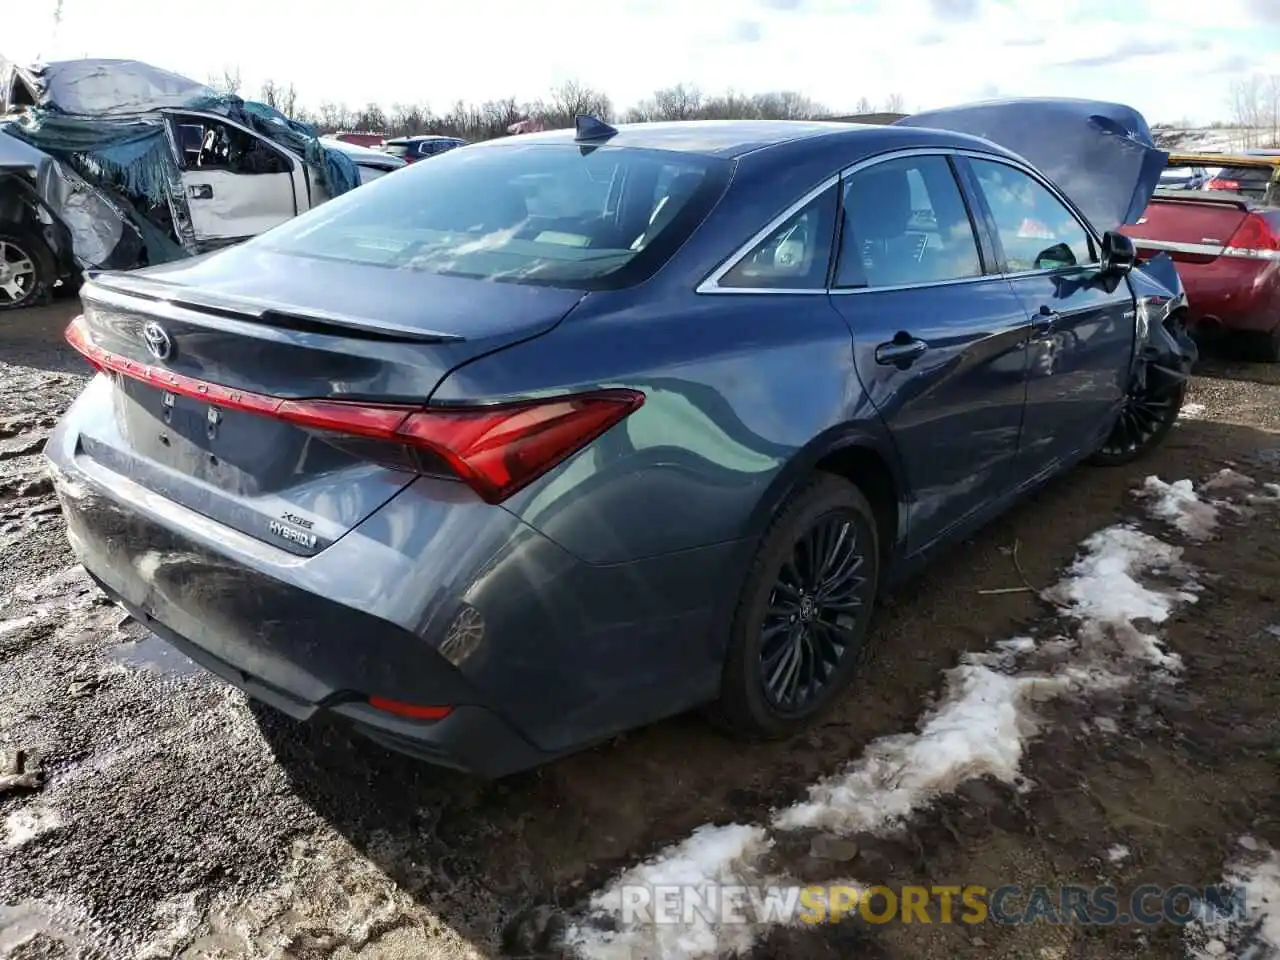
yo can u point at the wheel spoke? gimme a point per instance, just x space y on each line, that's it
814 612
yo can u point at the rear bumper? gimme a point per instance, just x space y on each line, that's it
436 599
472 738
297 651
1232 293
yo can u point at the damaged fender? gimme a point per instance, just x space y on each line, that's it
1164 352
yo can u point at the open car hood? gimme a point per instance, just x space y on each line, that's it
1100 154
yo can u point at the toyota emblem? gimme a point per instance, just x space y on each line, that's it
157 340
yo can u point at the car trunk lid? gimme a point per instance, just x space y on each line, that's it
220 398
1190 228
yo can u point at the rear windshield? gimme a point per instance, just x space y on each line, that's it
397 149
549 214
1248 177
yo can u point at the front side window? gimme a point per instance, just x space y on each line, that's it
1035 229
206 144
551 214
795 256
905 222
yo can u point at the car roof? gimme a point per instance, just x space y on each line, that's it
720 138
1223 160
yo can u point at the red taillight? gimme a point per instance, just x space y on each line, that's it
495 449
1255 237
1217 183
78 337
498 450
410 711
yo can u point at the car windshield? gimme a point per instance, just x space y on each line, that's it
551 214
397 149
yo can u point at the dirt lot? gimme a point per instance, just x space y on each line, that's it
175 819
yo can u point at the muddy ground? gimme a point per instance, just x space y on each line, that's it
176 819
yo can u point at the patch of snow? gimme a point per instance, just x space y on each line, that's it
1178 504
1118 853
1271 493
1106 724
1227 479
1251 934
1191 411
979 727
24 825
711 855
978 730
63 921
16 623
1102 592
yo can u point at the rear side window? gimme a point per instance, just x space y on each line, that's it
1246 176
905 222
795 256
550 214
1036 230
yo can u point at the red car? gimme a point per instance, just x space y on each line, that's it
1226 245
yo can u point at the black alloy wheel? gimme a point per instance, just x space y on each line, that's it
810 623
800 629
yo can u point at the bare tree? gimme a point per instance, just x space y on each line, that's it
1247 107
1272 98
493 118
280 97
370 119
864 106
333 117
681 102
573 99
896 103
227 83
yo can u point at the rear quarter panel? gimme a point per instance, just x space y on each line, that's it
735 388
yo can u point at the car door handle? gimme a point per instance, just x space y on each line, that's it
200 191
1046 319
903 350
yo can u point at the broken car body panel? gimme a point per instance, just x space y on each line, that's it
1100 154
96 88
114 131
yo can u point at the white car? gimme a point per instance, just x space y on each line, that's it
372 163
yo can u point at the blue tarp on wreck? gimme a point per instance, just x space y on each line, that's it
103 119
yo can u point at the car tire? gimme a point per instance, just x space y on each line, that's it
21 245
1143 424
1265 347
821 641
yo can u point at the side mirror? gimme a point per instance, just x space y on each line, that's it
1118 254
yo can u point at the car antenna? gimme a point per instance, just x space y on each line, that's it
592 128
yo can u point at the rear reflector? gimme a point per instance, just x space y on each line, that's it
1218 184
495 449
410 711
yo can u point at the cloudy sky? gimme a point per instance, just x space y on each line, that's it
1172 59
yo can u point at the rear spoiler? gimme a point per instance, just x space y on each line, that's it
113 288
1205 196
